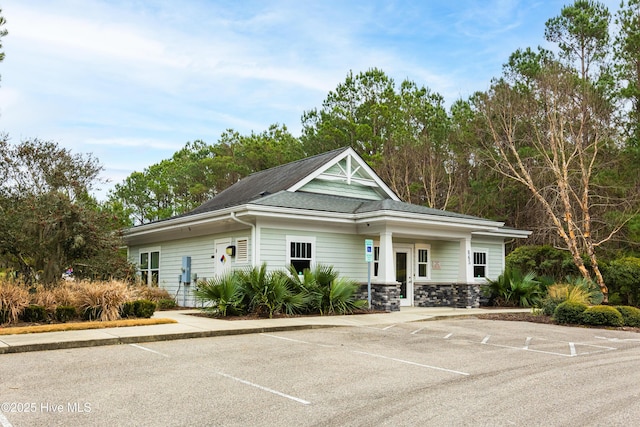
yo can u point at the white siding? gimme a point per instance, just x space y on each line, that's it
445 261
200 249
495 255
338 188
344 252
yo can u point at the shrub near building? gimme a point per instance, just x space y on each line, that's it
602 315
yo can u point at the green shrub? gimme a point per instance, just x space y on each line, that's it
127 310
575 290
569 312
166 303
631 315
34 313
91 313
623 278
542 260
64 313
602 315
143 308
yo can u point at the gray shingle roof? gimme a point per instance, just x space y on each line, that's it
348 205
266 182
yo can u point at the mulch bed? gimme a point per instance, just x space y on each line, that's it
539 318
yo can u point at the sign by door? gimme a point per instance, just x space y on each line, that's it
368 250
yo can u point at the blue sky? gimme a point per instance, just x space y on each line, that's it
132 81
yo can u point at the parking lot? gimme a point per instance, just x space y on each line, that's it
445 372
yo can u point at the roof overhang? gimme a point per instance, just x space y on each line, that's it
227 219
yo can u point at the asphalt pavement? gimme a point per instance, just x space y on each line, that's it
189 325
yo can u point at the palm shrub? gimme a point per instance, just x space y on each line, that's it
315 284
222 295
569 312
602 315
268 293
513 288
631 315
342 297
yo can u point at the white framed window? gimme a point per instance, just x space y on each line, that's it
423 261
150 266
479 264
301 252
242 249
376 260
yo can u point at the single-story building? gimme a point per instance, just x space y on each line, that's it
322 210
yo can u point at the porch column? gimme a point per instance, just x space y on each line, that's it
465 271
387 272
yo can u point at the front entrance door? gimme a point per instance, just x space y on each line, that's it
403 257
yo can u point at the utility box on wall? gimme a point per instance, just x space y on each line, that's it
186 269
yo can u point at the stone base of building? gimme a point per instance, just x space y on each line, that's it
386 297
461 295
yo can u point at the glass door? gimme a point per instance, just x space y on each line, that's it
404 275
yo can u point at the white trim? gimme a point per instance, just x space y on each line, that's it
300 239
475 251
419 247
351 156
149 250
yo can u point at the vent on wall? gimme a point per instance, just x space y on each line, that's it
242 250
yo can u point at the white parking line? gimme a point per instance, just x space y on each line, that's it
416 331
446 337
149 350
408 362
572 349
285 339
4 422
526 343
388 327
296 399
486 339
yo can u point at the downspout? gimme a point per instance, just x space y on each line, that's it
254 249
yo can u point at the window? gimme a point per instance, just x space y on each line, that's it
242 249
479 264
376 260
150 267
300 252
422 262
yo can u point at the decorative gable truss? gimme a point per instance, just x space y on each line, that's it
346 175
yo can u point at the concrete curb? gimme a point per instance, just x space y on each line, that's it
201 328
61 345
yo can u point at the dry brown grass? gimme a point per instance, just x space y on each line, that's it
82 326
151 293
14 297
103 298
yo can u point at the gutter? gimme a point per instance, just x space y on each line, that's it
254 245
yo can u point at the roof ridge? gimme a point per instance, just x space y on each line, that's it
304 159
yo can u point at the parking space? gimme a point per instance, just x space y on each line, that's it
447 372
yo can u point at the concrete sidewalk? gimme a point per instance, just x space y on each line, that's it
190 326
